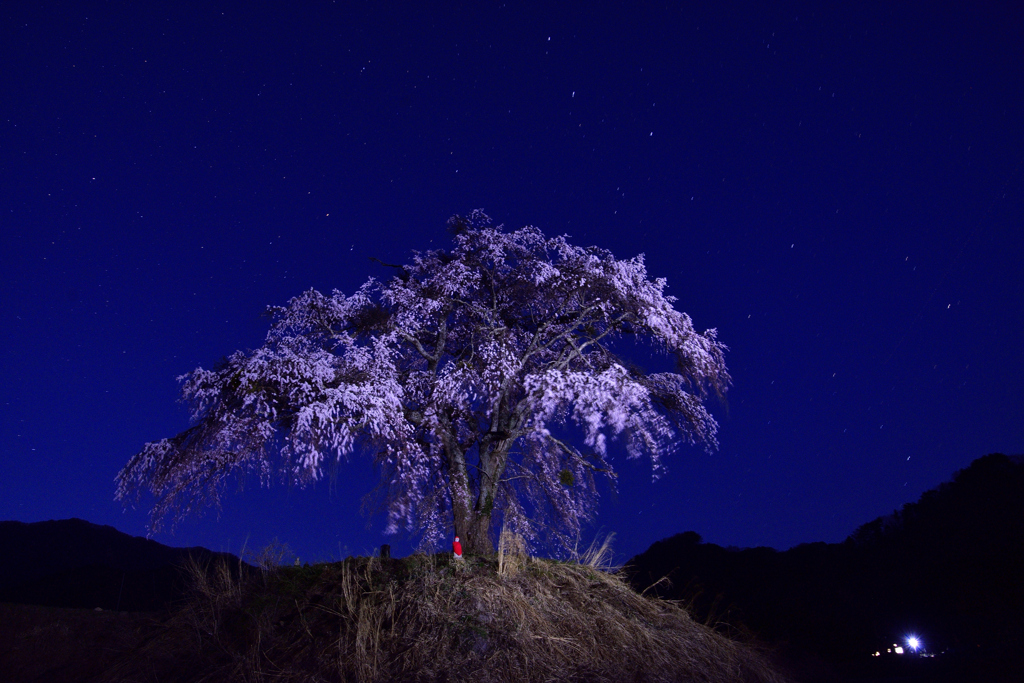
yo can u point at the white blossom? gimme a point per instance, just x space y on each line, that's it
462 376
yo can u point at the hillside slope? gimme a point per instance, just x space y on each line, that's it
73 563
946 567
432 618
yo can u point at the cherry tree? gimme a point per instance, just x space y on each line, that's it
484 381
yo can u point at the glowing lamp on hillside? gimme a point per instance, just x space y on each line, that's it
914 643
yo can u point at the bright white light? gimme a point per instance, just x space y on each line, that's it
914 643
898 650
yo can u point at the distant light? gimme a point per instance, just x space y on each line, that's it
914 643
898 650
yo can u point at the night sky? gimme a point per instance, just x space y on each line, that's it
839 191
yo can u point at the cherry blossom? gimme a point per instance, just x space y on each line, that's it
484 381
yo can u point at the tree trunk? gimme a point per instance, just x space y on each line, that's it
473 519
478 531
479 535
465 519
472 526
473 529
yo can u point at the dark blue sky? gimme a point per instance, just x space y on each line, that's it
839 190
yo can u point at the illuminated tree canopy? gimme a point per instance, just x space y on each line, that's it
484 381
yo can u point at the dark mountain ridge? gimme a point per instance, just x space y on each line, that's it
947 568
73 563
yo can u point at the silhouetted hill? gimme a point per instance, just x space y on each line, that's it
948 567
72 563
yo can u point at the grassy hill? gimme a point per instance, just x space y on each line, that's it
73 563
433 618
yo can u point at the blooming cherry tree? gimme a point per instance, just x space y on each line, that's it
484 381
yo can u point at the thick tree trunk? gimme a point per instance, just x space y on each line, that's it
492 465
473 529
473 523
464 516
480 535
473 518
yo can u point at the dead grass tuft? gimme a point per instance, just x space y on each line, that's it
512 553
598 555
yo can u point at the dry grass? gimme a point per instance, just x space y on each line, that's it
512 554
599 555
427 618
